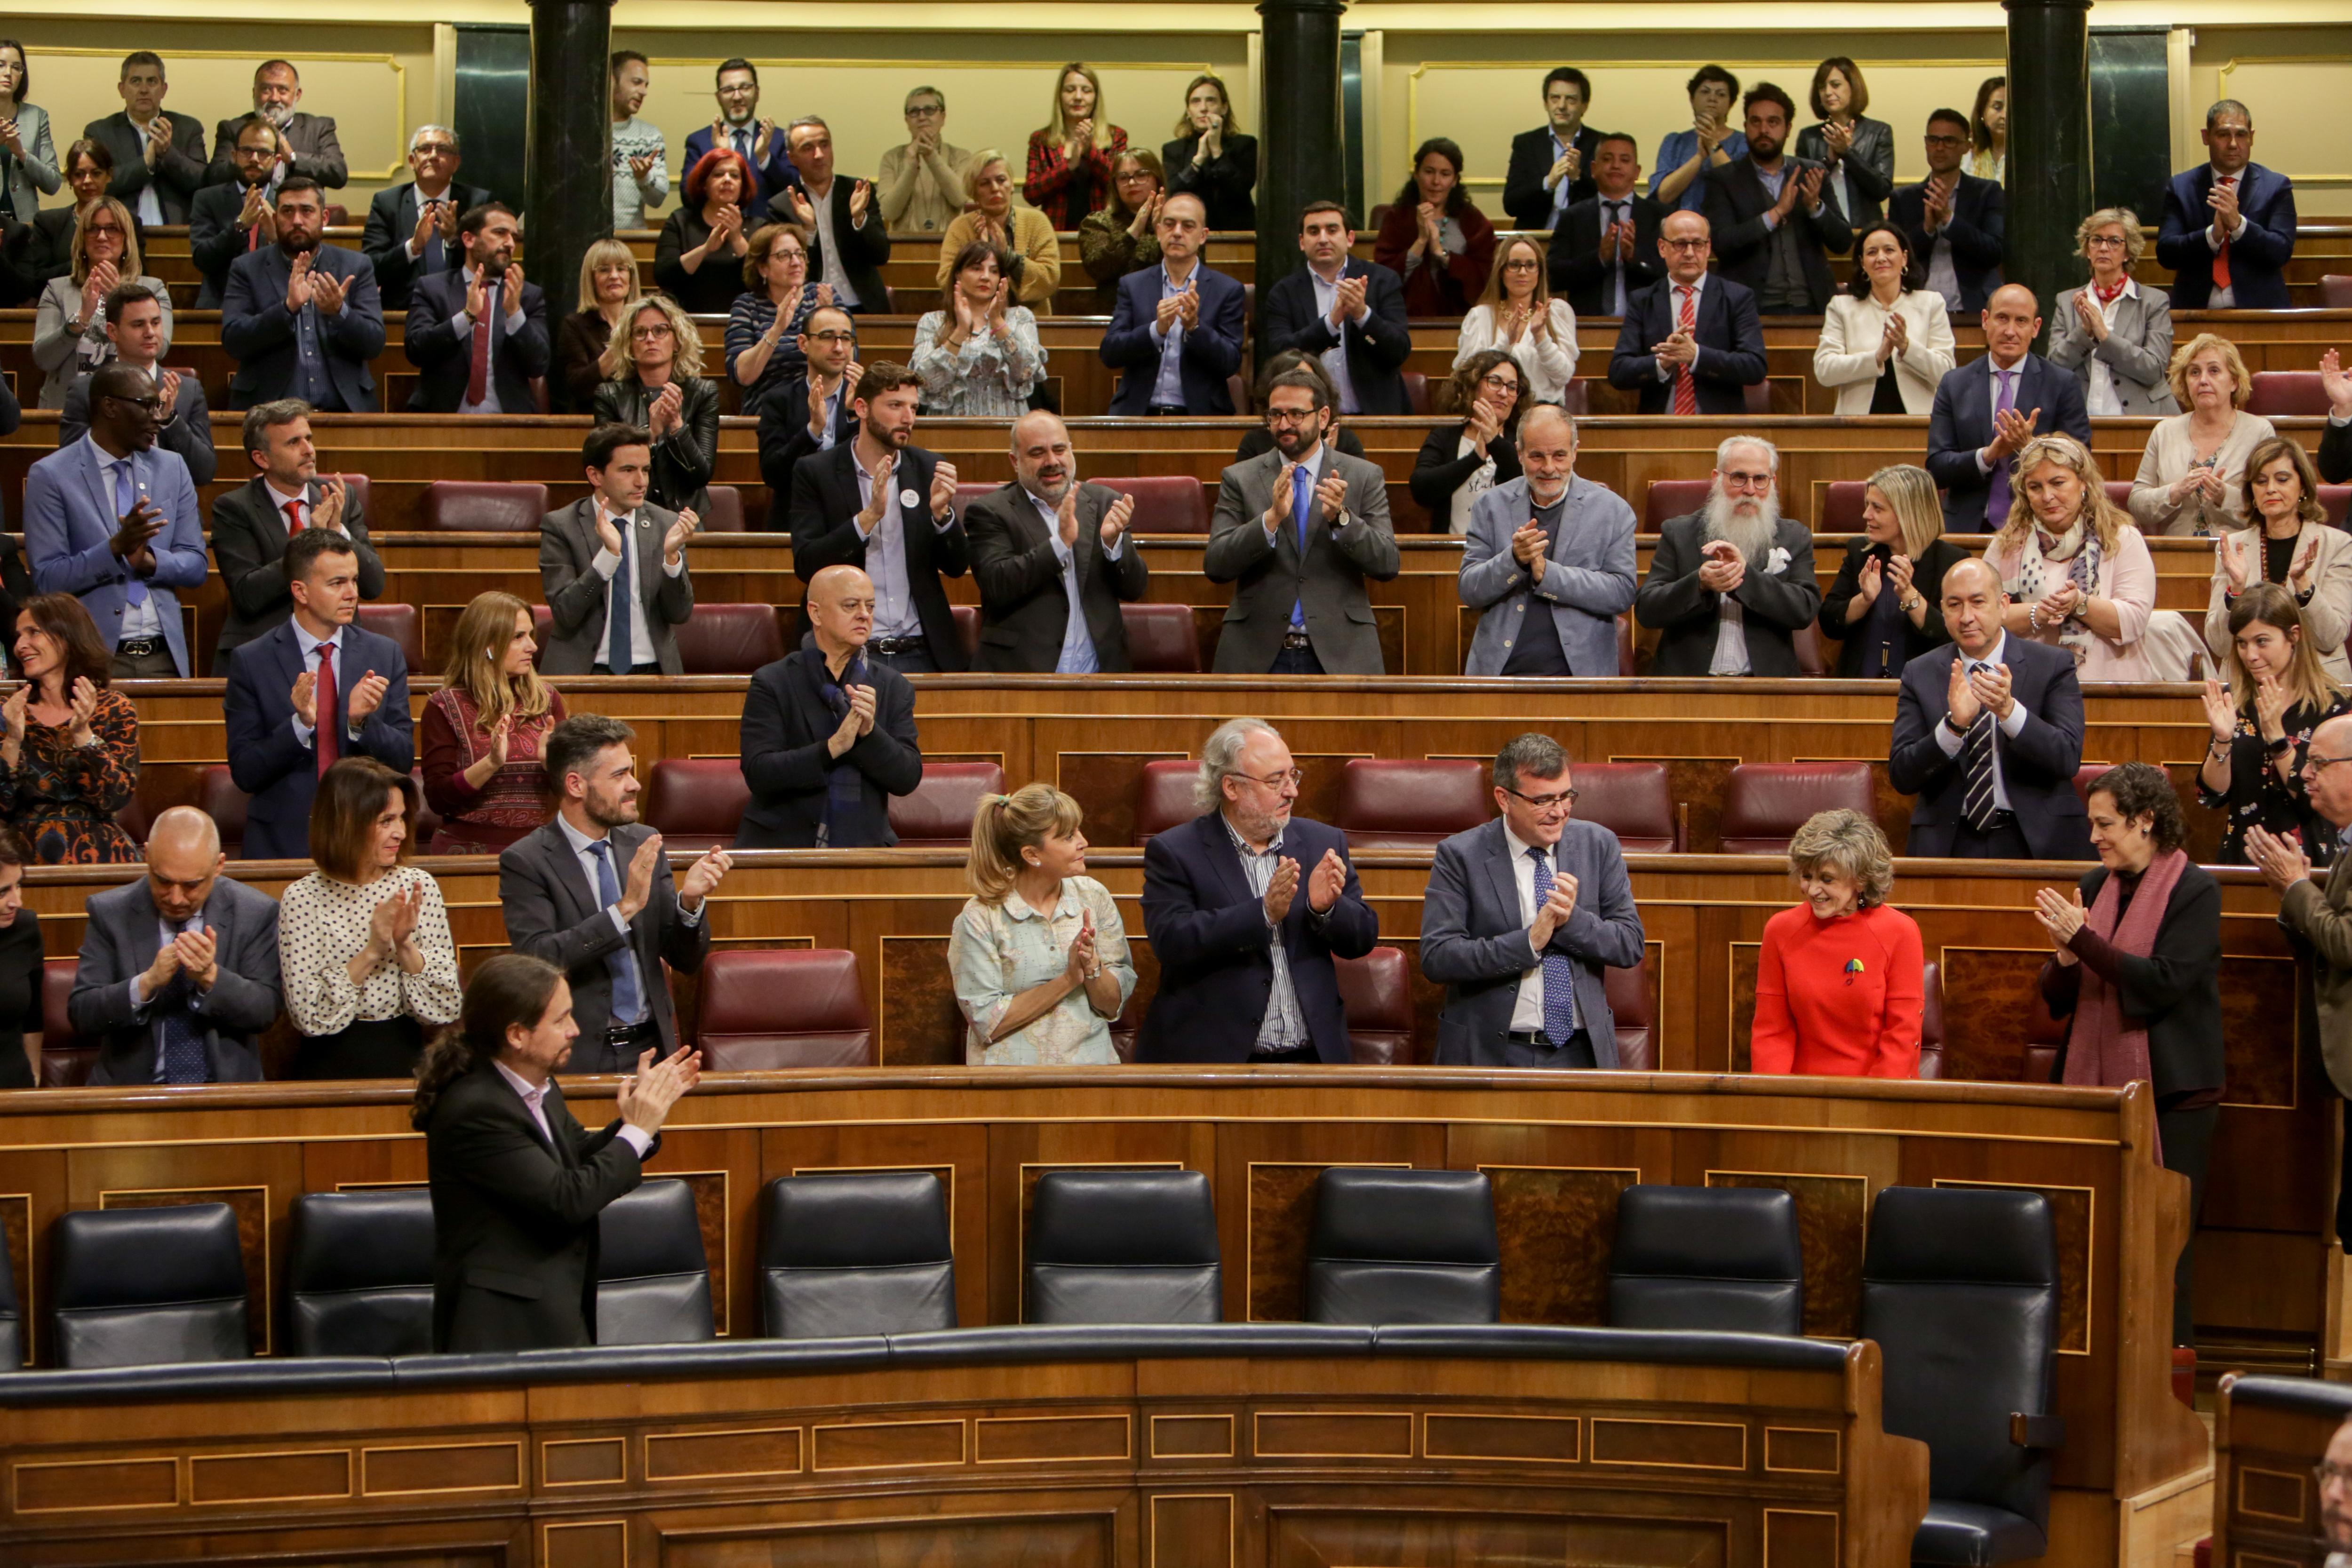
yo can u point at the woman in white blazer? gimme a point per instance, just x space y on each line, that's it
31 156
1520 315
1886 342
2113 334
2291 543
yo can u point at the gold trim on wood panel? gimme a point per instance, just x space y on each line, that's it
2222 84
343 1454
1233 1521
1835 1536
1125 1417
1837 1452
546 1535
645 1453
719 1308
1601 1421
2090 1244
518 1484
621 1443
1258 1448
1202 1416
1574 1424
2239 1503
16 1483
963 1445
1249 1212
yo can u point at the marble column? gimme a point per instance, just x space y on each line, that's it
568 158
1300 158
2049 142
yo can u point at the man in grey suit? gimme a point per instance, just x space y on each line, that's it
309 146
1052 562
1552 543
178 972
591 893
613 567
1522 916
1732 584
159 154
1297 530
134 324
253 524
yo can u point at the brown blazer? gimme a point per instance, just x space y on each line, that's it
2320 917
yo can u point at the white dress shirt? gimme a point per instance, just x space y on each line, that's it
311 645
836 274
1335 359
2101 397
1527 1010
1674 292
1950 744
534 1100
150 209
1078 656
463 328
607 566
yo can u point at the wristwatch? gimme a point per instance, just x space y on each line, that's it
2284 743
1908 605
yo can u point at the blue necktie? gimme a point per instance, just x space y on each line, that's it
1558 974
1302 495
183 1048
629 1001
124 499
617 658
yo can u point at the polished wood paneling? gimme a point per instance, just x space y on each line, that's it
2266 1503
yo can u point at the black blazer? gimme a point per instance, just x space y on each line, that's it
1977 230
685 459
1024 609
392 220
265 759
866 248
1376 350
249 542
1577 269
1927 580
2174 992
1731 347
1734 202
1869 164
256 330
179 172
313 150
216 238
2037 764
1223 184
784 437
443 361
1533 152
1438 472
822 518
709 289
1959 424
2335 454
552 912
786 724
515 1219
1774 606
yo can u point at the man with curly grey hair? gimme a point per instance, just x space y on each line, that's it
1247 905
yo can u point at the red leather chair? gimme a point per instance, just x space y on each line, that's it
2118 496
1416 392
543 628
218 798
1841 506
2045 1037
337 216
1805 641
1237 388
2335 500
1163 797
1672 498
766 1008
1766 803
401 623
356 484
1931 1021
2087 775
967 491
1637 1022
1160 639
728 639
2286 392
66 1057
967 629
2335 291
1411 804
1165 502
1377 991
938 814
1758 398
1573 398
1633 801
135 819
697 802
481 506
723 513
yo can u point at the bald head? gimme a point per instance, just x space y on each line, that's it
2328 780
184 856
840 610
1042 460
1547 452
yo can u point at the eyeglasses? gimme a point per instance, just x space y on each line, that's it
2312 761
659 330
1277 781
794 258
1520 264
1947 141
435 150
832 339
152 404
1560 802
1699 244
2324 1472
2103 241
926 111
1290 415
1501 383
1738 481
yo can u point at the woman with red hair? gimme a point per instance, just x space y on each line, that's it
699 260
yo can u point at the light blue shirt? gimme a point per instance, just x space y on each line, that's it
885 552
1283 1027
311 645
1335 360
1568 182
1680 147
1077 654
1168 391
579 842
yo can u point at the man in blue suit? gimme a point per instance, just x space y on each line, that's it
112 520
740 129
1346 313
310 691
1521 916
1988 408
1247 905
1988 735
1707 367
302 318
487 296
2229 227
1177 328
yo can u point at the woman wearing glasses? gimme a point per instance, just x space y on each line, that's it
1460 463
764 325
1841 980
69 327
654 379
1518 314
2114 336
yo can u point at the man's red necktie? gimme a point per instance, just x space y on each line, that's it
1685 389
2221 255
328 737
293 518
477 378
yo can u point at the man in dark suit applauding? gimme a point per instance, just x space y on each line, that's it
1731 585
1988 735
1052 562
134 325
1247 905
412 228
848 241
480 334
1349 314
591 893
1988 408
1691 343
302 316
2229 227
815 411
253 524
231 218
1521 916
1775 225
1605 248
159 154
310 690
1551 166
1956 222
1177 328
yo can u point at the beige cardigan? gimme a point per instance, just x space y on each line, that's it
2326 618
2169 452
1032 236
1846 359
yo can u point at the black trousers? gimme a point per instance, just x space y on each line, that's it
2187 1138
1296 662
2005 842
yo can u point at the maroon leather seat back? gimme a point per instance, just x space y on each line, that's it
2045 1037
971 490
66 1057
1841 506
1766 803
2336 501
1672 498
728 639
2335 291
1377 991
354 485
1160 639
2275 393
967 629
697 802
218 798
1163 797
938 814
1637 1022
543 628
2087 775
1164 503
1758 398
1574 398
401 623
1416 392
2118 493
1931 1021
483 507
1805 641
1410 804
722 509
765 1007
1633 801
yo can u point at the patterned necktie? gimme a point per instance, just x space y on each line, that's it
1997 500
1559 973
628 1005
135 591
1977 764
478 373
2222 252
1685 389
293 518
183 1044
328 738
617 641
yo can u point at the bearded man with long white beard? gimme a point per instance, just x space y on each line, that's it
1732 583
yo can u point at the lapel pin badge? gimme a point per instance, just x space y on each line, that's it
909 499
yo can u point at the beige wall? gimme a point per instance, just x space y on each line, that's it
2295 81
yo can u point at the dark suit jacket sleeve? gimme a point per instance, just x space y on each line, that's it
371 563
1953 466
100 998
1184 936
1348 928
1604 927
1280 318
683 944
1388 336
1632 366
1734 237
1742 364
250 324
1128 343
1215 345
357 330
818 541
685 459
213 237
1671 593
2180 241
381 242
772 765
2335 453
1007 574
529 906
575 591
669 247
1914 760
890 754
247 993
1450 954
1977 243
1575 262
2051 738
262 748
2182 959
181 166
1130 576
189 432
872 236
430 338
1524 196
2270 232
255 577
1833 621
675 598
513 1171
531 348
390 733
1789 599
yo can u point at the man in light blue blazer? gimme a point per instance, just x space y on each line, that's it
1521 916
1548 562
112 519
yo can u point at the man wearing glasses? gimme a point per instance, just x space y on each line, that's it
741 128
412 229
1521 916
1955 221
2334 1473
1692 342
1247 905
922 182
1732 583
811 413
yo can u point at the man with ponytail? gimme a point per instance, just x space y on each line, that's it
517 1182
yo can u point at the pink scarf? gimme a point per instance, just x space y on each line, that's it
2100 1050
